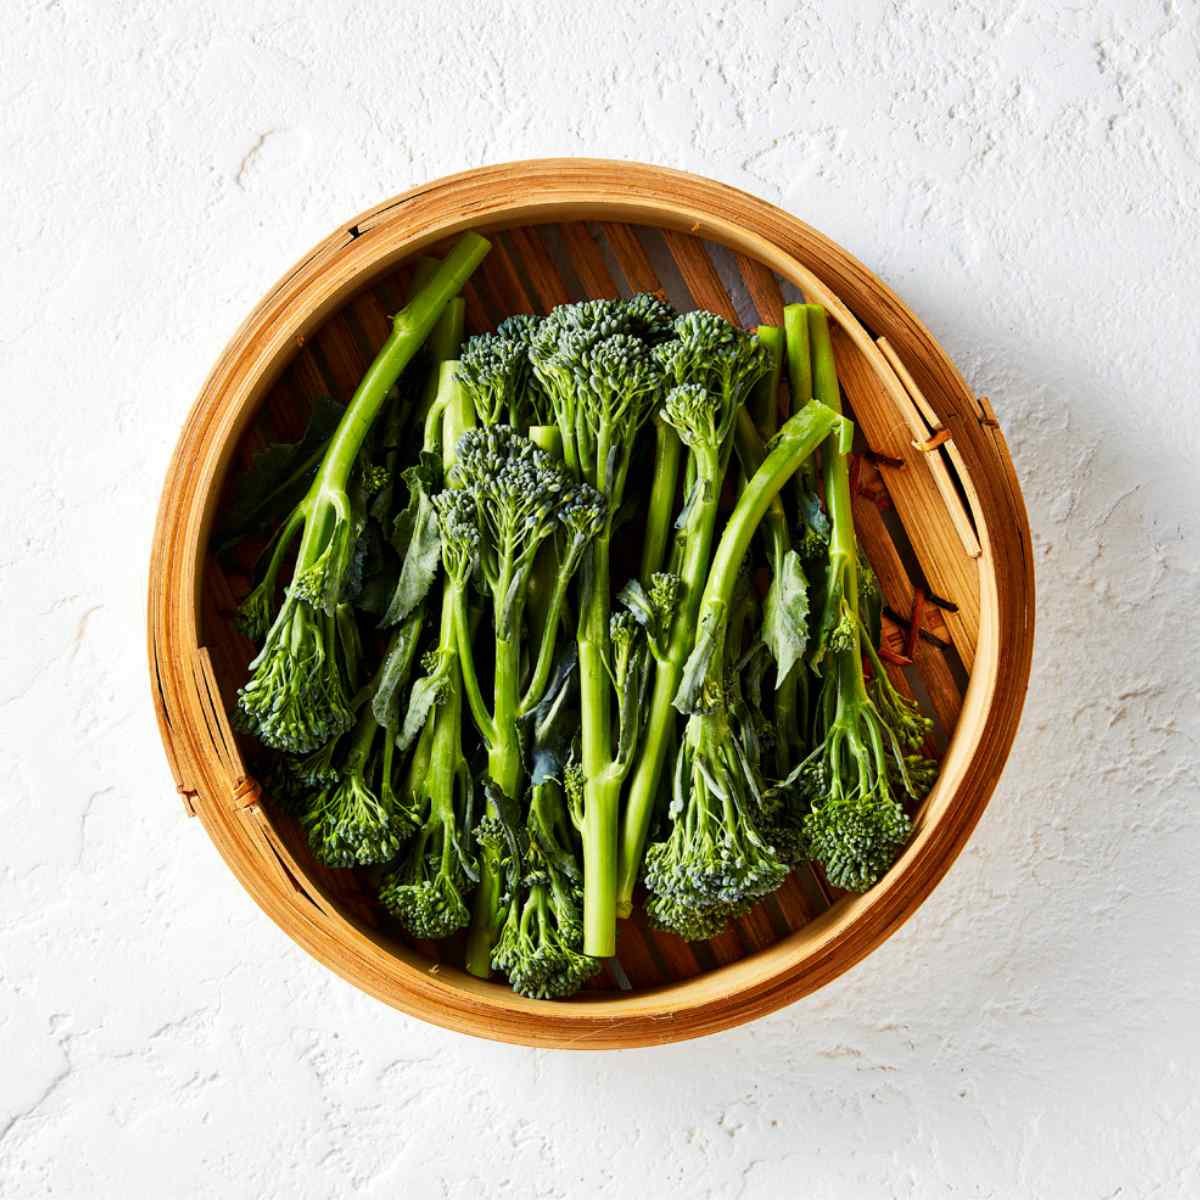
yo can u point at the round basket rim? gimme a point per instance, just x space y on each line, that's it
201 750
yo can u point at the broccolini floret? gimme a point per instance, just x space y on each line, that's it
493 369
426 891
715 365
539 945
715 858
512 497
603 385
354 817
863 763
298 695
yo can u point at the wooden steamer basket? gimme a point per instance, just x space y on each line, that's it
939 514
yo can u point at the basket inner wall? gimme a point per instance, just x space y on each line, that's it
531 269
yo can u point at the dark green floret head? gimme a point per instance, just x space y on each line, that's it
296 698
347 826
602 318
491 370
714 353
520 328
316 769
856 837
582 512
685 919
459 533
649 318
695 414
426 901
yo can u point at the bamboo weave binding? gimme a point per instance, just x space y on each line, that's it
531 269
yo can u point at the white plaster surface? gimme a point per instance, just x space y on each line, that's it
1026 174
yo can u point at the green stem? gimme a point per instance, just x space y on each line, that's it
544 578
795 442
547 638
697 538
362 739
764 403
667 449
601 790
445 752
843 544
799 354
444 344
504 747
466 661
800 376
410 327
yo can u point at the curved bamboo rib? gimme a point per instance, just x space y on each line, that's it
948 522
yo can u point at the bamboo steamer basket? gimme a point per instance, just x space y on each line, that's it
938 510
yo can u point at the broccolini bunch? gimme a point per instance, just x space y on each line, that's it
516 675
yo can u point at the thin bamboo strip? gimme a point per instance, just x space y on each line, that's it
371 322
923 422
676 958
763 288
934 423
506 283
475 317
699 275
897 591
587 261
539 268
795 906
338 356
636 958
951 572
631 257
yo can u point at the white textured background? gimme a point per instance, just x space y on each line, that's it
1026 174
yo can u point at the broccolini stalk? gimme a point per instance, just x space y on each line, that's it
603 386
539 946
715 861
425 892
724 364
764 403
654 321
355 819
545 568
785 623
512 497
661 507
414 532
444 344
298 694
865 759
814 525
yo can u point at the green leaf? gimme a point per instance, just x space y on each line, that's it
631 699
395 670
552 723
785 615
279 475
416 539
426 693
698 691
